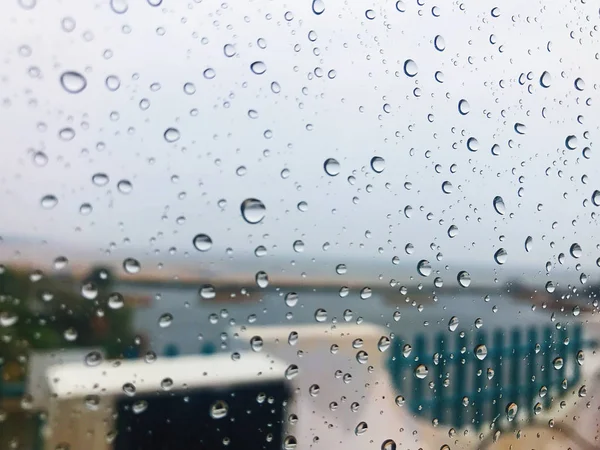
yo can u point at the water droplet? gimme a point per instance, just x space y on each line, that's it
528 244
293 338
472 144
596 198
73 82
332 167
291 372
209 73
582 391
208 292
49 201
520 128
298 246
424 268
370 14
229 50
453 323
256 343
171 135
384 343
439 43
203 242
575 250
314 390
320 315
262 279
452 231
60 263
463 278
499 205
100 179
447 187
500 256
388 444
89 291
545 80
366 293
511 411
558 363
290 443
481 352
361 428
291 299
421 371
124 186
580 357
258 67
377 164
189 88
253 210
410 68
318 7
165 320
550 288
341 269
571 142
66 134
219 409
579 84
463 107
131 265
93 358
119 6
400 6
116 301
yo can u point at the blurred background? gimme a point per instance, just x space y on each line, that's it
323 224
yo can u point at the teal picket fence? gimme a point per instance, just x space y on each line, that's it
461 389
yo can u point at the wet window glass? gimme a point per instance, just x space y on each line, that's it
316 224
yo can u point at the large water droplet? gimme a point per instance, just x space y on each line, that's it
424 268
258 67
463 107
208 292
219 409
332 167
129 389
262 279
131 265
596 198
571 142
481 352
256 343
388 444
545 80
291 372
361 428
511 411
165 320
119 6
124 186
499 205
377 164
384 343
575 250
290 442
439 43
520 128
472 144
528 244
116 301
49 201
421 371
202 242
463 278
453 323
410 68
550 288
253 210
73 82
579 84
171 135
500 256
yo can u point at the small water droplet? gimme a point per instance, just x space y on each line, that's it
291 299
49 201
256 343
262 279
229 50
208 292
388 444
124 186
575 250
520 128
550 288
116 301
290 442
291 372
528 244
93 358
421 371
439 43
571 142
453 323
209 73
361 428
481 352
320 315
511 411
370 14
384 343
472 144
579 84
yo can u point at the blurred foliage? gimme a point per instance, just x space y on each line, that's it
51 313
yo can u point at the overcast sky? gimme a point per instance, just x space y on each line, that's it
343 93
